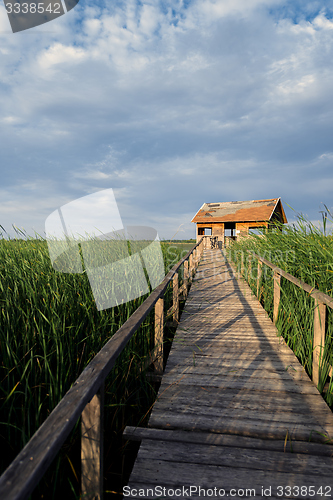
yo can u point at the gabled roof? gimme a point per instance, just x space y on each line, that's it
240 211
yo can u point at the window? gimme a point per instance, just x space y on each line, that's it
208 231
256 230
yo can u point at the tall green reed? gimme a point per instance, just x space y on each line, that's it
306 252
50 330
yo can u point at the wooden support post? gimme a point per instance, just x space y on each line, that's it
185 277
258 277
249 267
190 267
277 293
175 297
92 448
318 339
158 341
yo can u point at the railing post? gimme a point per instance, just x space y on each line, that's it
175 296
277 293
185 277
158 340
318 339
259 276
190 267
92 448
249 268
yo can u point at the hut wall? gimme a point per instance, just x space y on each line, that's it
242 228
216 227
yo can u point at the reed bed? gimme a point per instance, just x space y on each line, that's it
306 252
50 329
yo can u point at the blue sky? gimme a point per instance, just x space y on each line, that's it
171 104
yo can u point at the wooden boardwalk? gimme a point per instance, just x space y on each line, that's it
236 412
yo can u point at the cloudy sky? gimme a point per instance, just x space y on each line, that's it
171 104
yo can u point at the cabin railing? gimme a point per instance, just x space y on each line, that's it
86 398
321 302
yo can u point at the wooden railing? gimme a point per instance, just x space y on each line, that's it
321 302
86 398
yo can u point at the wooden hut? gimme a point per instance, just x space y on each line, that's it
235 219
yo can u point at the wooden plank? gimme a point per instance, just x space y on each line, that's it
92 448
226 397
271 384
234 372
236 457
265 416
273 364
242 427
224 373
200 345
301 447
177 474
223 334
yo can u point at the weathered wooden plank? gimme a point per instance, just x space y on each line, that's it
264 363
225 340
276 385
277 349
204 438
236 347
234 372
217 341
312 406
236 457
220 332
240 317
177 474
264 417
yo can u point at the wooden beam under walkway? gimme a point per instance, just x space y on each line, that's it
236 412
